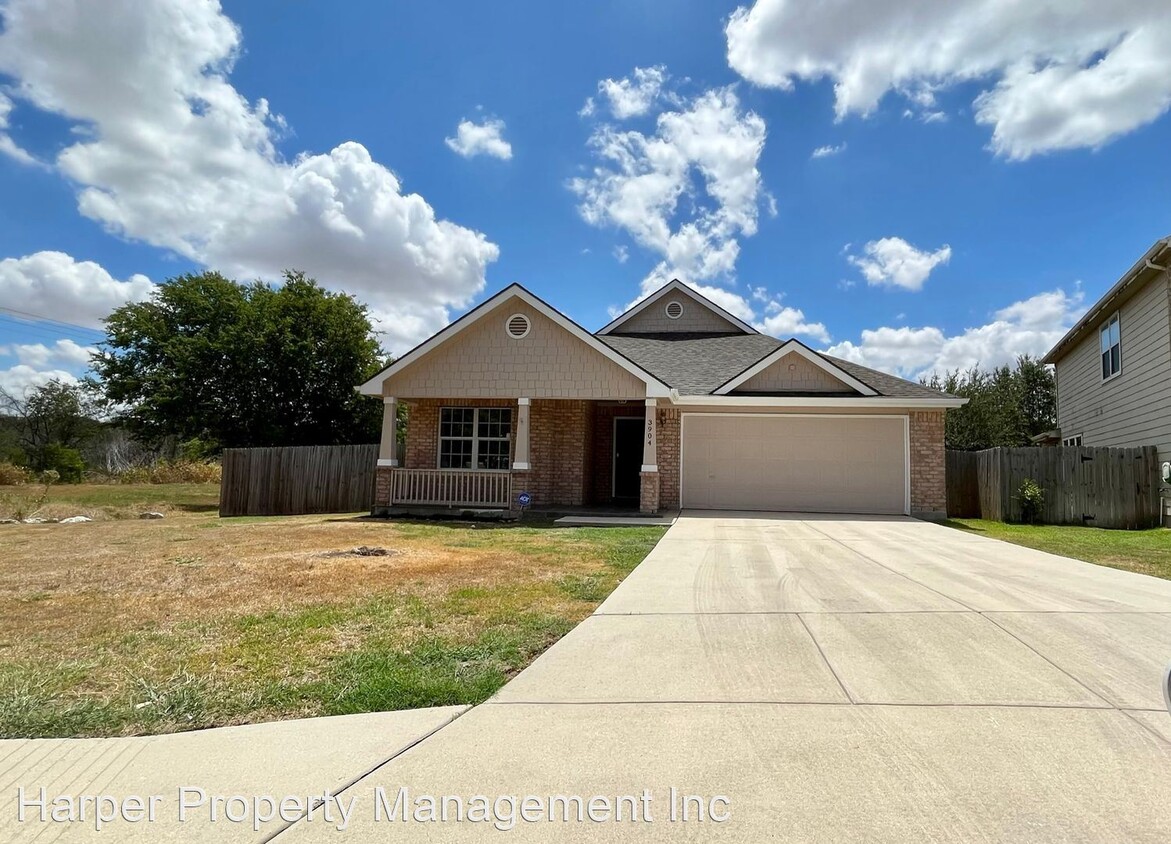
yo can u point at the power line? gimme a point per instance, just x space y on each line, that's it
10 324
43 318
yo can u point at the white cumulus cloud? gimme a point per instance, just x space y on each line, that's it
1059 74
487 138
168 152
702 156
17 381
892 262
65 352
1031 326
54 285
631 96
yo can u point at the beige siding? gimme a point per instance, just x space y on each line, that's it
696 318
1134 408
485 362
793 373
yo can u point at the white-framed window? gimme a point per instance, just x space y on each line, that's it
475 437
1074 440
1110 338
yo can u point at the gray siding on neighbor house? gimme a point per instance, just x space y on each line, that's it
1134 408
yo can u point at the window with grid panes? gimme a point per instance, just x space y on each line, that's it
475 437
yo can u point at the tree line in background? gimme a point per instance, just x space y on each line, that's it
1006 406
205 364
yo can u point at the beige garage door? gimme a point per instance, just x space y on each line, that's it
814 464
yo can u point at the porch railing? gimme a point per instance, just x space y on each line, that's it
451 487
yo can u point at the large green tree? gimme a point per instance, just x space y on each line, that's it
1006 407
241 364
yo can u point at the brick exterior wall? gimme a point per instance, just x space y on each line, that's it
560 439
667 457
648 498
928 484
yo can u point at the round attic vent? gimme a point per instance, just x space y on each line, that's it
674 310
517 326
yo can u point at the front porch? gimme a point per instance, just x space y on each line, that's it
482 455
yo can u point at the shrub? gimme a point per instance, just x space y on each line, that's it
11 474
1032 499
172 472
66 462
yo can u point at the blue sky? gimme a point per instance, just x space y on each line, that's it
981 179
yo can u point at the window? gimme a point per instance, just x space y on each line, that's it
1111 344
1077 440
475 437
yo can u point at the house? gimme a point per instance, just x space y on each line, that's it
676 403
1114 366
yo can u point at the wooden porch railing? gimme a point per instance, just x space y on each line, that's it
451 487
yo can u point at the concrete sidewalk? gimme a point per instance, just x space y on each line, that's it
304 759
804 677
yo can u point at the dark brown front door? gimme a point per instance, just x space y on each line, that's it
627 457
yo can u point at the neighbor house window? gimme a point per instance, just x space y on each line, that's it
474 437
1111 340
1076 440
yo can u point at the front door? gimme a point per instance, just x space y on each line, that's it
627 457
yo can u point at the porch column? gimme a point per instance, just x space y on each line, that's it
650 461
648 498
520 459
388 445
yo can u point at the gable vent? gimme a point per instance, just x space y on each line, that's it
517 326
674 309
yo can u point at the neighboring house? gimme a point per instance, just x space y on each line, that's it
676 403
1114 365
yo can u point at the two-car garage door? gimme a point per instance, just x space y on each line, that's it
815 464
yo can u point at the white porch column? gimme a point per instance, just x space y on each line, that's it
388 445
650 459
520 459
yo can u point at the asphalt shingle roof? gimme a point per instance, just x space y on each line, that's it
697 364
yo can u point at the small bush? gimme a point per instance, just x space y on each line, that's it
1032 499
11 475
66 462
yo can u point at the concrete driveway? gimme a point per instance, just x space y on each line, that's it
836 679
814 678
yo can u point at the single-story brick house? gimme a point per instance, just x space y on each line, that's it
676 403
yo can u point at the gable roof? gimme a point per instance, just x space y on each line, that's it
699 364
373 387
1122 290
675 285
798 348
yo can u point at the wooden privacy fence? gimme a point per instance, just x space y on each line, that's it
298 479
1100 487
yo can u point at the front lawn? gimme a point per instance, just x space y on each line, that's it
123 626
1142 551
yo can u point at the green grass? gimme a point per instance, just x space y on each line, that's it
1142 551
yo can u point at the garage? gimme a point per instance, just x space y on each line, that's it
789 462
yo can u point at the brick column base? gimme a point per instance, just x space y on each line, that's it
648 492
522 482
381 491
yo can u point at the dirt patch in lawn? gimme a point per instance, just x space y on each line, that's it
122 627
